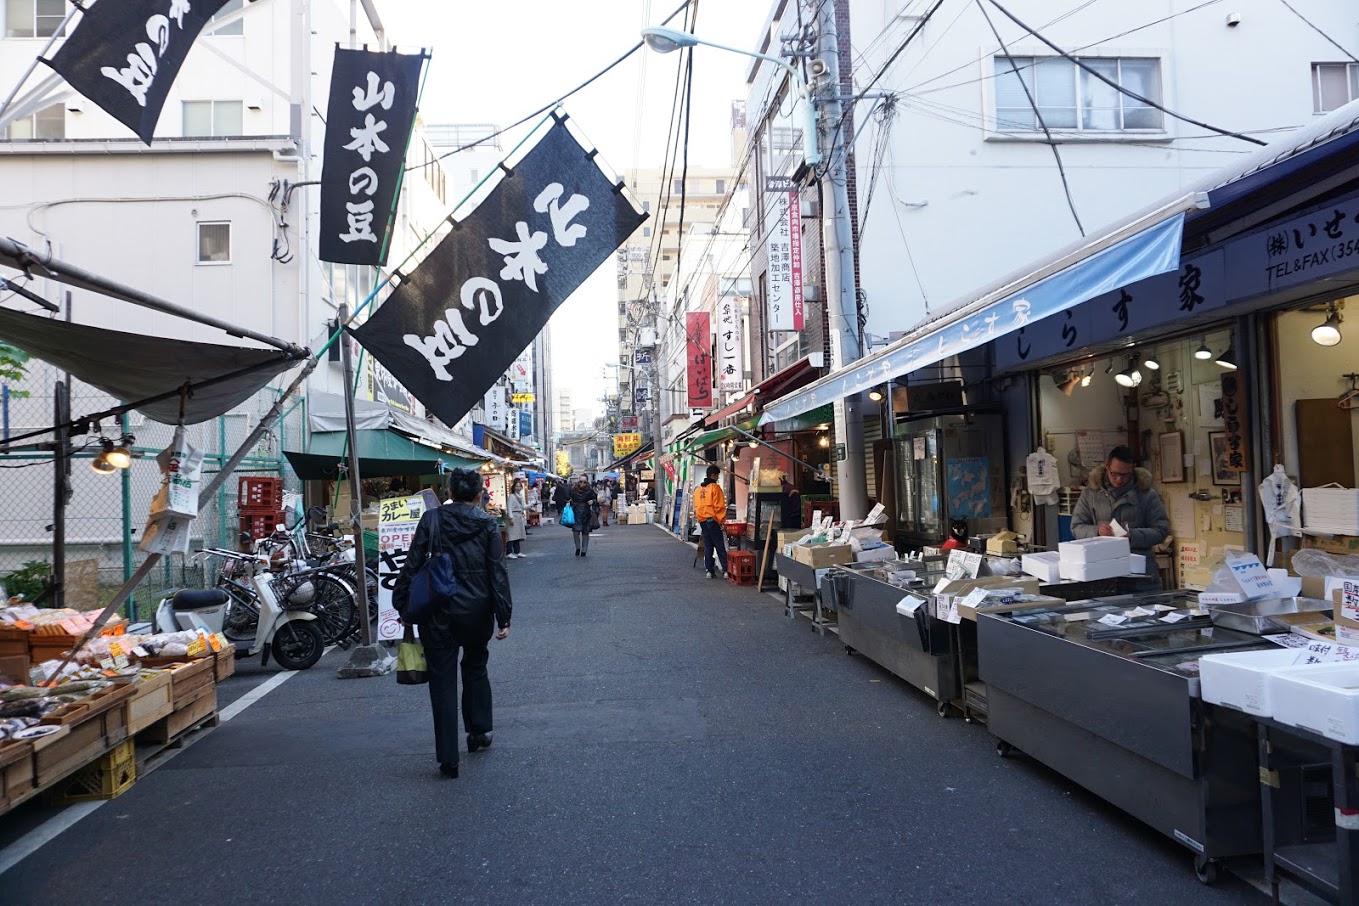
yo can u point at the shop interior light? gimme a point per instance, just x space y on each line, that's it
1228 358
752 443
115 455
1130 376
1087 377
822 440
1149 361
875 394
1203 353
1327 333
1110 367
101 465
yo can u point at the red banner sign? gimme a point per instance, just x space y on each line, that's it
699 357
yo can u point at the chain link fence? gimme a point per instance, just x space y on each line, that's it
106 513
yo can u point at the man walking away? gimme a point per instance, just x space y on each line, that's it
710 507
560 498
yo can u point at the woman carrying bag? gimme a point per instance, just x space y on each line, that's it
584 514
464 620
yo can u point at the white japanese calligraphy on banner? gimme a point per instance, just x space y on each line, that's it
495 407
783 248
729 359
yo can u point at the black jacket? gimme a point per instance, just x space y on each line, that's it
560 496
584 505
472 538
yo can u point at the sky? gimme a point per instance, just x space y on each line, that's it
497 62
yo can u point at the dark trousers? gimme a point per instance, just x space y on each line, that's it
582 539
442 664
713 542
513 547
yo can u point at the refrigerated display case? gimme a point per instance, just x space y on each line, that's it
1116 708
949 467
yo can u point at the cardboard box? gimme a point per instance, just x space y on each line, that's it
1091 572
1003 544
1042 566
1325 588
1094 550
818 556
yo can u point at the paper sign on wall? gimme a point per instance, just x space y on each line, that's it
1252 576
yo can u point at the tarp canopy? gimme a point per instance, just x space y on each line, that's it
135 368
325 412
382 453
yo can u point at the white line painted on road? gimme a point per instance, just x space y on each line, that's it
255 694
44 833
50 829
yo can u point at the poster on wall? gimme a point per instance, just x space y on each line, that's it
495 486
783 250
397 520
969 488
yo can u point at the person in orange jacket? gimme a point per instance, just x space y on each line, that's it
710 506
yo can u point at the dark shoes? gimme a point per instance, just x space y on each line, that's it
478 741
448 769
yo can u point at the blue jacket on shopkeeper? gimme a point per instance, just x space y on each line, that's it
1138 509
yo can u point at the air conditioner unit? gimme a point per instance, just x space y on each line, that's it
646 337
811 208
811 292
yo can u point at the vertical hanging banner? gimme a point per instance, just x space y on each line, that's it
783 248
368 125
729 359
494 405
124 56
454 325
698 355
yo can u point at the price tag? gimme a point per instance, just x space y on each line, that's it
120 661
1252 576
115 650
1113 619
215 641
947 608
197 647
106 663
908 605
1174 617
1140 612
139 651
975 597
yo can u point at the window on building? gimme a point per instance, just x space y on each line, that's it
214 243
213 119
721 187
646 206
50 122
1334 85
231 28
34 18
646 231
677 186
1072 99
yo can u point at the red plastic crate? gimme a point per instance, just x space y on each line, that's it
260 525
259 494
741 567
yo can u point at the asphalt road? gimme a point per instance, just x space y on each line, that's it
660 738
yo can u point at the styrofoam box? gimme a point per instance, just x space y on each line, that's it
1090 572
1093 550
1043 565
1323 698
876 553
1137 564
1241 679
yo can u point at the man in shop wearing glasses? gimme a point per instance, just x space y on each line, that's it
1119 490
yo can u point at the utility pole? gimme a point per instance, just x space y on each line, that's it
842 305
657 472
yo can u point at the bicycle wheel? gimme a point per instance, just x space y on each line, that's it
241 621
334 607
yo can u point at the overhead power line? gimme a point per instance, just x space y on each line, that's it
1333 41
1119 88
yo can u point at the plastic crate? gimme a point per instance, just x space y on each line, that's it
108 777
260 525
741 567
255 493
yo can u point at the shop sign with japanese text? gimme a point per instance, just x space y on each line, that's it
729 361
698 359
783 248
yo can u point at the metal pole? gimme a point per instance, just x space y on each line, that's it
355 488
61 462
841 299
126 480
657 448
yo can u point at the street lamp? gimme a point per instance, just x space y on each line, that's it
665 40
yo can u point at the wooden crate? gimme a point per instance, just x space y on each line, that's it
107 777
14 642
16 772
188 681
95 703
151 700
224 663
203 705
56 756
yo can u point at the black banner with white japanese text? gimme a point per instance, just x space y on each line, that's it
458 320
124 55
368 125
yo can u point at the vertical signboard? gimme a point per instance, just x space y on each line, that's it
397 519
494 404
525 423
783 248
698 356
729 361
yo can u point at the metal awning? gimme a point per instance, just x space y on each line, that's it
383 453
1138 248
718 435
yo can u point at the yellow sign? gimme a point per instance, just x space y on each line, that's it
401 509
522 397
623 444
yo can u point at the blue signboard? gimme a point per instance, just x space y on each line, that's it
525 423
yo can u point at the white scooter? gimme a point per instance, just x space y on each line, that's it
290 634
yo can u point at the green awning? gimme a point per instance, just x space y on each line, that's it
807 421
382 454
717 435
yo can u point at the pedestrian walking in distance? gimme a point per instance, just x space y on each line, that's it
710 508
585 510
516 519
561 496
605 499
463 622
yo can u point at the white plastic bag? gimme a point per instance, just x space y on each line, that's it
181 466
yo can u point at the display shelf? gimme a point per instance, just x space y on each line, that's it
1314 866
